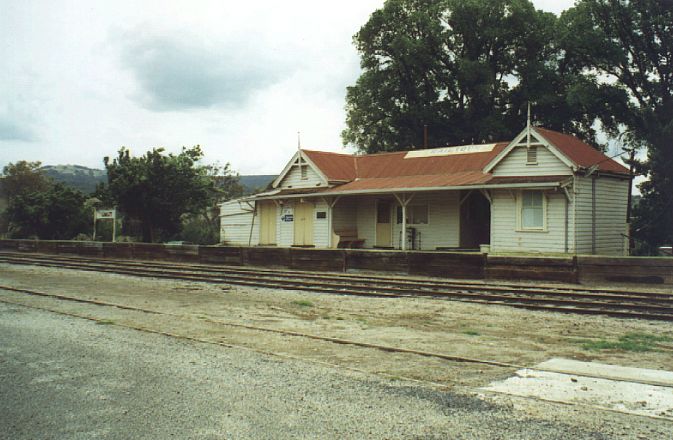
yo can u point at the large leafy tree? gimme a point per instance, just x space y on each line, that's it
629 45
24 177
158 189
465 69
38 207
55 213
204 227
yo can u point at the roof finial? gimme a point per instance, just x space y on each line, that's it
299 140
528 127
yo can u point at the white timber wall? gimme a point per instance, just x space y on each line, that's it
611 199
320 225
514 164
506 237
293 179
235 223
443 227
366 220
344 215
285 230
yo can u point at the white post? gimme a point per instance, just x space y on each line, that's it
114 224
93 237
404 225
404 201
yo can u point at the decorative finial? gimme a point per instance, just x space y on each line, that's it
299 140
528 127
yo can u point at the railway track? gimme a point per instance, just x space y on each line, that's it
579 300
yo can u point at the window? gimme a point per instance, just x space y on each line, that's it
304 172
531 156
416 215
532 210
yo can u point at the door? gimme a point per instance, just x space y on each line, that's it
267 223
303 224
475 221
384 226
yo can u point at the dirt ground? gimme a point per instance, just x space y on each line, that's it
487 332
206 312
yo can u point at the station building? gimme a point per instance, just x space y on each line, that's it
543 192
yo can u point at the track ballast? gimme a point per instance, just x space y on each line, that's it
580 300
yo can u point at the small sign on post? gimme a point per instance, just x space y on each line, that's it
105 214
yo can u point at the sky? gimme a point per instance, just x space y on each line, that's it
80 79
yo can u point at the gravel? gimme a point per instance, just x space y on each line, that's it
68 378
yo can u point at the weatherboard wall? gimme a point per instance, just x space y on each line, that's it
443 227
507 237
293 179
604 219
515 164
236 223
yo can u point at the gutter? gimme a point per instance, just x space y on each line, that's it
411 190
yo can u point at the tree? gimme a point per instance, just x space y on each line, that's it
24 177
629 44
204 227
466 69
57 213
158 189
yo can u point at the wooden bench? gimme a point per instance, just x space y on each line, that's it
347 239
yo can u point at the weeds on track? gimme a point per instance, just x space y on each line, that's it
636 342
303 303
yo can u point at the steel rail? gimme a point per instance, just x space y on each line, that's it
351 288
514 299
415 281
340 341
379 282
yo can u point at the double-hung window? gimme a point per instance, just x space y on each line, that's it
532 210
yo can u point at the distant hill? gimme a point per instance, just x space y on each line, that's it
85 179
256 183
76 176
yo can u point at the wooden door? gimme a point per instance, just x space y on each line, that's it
384 225
267 223
303 224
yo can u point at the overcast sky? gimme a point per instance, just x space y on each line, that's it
80 78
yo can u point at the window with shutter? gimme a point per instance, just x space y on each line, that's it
531 156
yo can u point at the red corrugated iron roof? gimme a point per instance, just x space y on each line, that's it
580 152
335 166
418 181
395 170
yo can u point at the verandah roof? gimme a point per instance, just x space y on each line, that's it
385 186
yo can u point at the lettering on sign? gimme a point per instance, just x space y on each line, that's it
449 151
105 214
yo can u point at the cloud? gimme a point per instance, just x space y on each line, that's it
180 72
17 118
14 131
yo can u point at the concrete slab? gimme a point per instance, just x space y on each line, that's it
615 395
607 371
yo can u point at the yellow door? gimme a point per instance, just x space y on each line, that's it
383 224
303 224
267 223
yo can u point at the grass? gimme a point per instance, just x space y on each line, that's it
303 303
105 322
471 333
636 342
